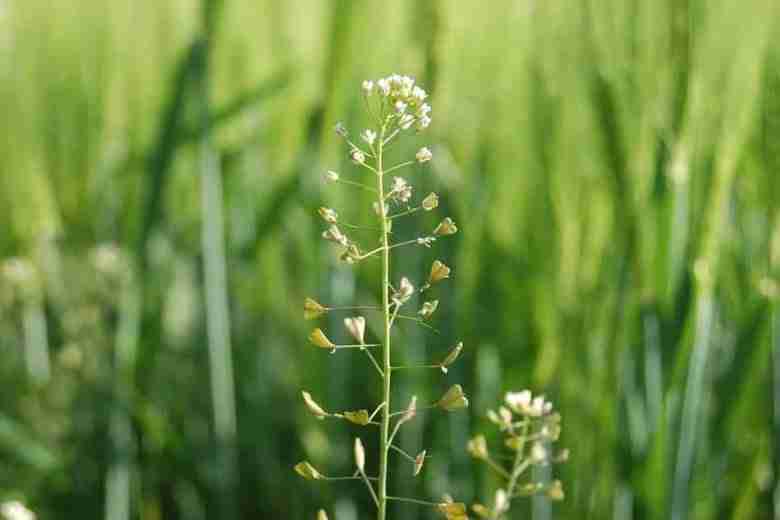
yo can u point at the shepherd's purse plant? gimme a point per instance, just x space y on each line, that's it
396 107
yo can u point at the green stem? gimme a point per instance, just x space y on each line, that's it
384 447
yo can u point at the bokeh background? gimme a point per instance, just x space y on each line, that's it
612 164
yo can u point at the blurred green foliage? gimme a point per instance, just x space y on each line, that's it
612 165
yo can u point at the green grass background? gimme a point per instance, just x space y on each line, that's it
612 165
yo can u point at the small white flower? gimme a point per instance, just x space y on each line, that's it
384 86
401 190
334 234
501 504
368 87
428 308
424 155
341 129
400 107
331 176
406 121
520 402
424 109
419 94
15 510
423 122
405 291
538 453
368 136
357 156
357 327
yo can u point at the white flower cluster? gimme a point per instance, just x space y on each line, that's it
406 99
15 510
525 403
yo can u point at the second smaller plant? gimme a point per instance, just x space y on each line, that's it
530 427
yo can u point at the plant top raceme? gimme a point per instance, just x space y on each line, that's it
396 106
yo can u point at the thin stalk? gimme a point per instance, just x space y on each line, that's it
414 501
406 212
384 448
399 166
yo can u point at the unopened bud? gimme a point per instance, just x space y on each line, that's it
357 327
322 515
331 176
360 455
423 155
419 460
477 447
357 156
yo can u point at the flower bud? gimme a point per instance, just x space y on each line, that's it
453 399
307 471
430 202
451 357
360 455
319 339
368 87
419 460
405 291
520 402
423 155
401 191
313 407
477 447
446 227
439 271
322 515
331 176
428 308
538 453
334 234
369 136
501 503
357 327
341 129
312 309
328 215
357 156
411 411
